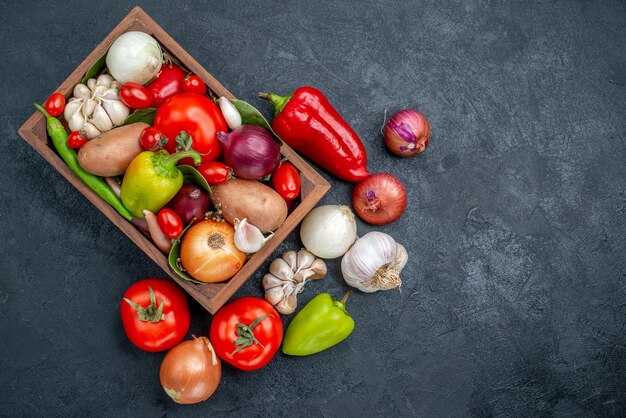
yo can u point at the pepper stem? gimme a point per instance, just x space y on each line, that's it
42 110
346 296
277 101
174 158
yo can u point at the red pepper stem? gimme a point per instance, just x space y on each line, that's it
277 101
346 296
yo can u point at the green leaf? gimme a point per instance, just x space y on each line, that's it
141 115
96 68
175 255
251 116
190 174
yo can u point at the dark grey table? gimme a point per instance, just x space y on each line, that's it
514 298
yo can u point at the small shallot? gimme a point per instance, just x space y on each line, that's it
230 113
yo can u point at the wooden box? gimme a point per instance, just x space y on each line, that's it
212 296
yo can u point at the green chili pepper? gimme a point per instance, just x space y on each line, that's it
59 135
322 323
152 180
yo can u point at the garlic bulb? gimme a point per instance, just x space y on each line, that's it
248 238
287 277
374 263
95 107
134 56
328 231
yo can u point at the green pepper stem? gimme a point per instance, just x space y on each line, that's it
277 101
174 158
346 296
42 110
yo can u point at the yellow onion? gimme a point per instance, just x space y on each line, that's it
208 252
191 371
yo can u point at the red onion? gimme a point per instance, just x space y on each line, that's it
407 133
250 151
379 199
190 202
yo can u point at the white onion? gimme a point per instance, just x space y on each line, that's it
328 231
134 56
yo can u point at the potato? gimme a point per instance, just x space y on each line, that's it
261 205
110 154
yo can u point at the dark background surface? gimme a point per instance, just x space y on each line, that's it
514 297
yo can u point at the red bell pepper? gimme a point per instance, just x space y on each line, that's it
309 124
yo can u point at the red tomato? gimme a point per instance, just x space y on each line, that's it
199 117
76 139
214 172
55 104
168 83
135 96
151 139
286 180
146 298
170 223
194 84
263 323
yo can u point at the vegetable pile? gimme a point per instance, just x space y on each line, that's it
204 178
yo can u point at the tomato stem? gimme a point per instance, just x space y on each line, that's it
246 336
150 313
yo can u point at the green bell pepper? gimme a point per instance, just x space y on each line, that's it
322 323
152 179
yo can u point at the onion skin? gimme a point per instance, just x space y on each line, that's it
380 199
208 252
190 202
407 133
191 371
250 151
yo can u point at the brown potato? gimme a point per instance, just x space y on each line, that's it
110 154
261 205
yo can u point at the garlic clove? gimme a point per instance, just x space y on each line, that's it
269 281
248 238
111 94
117 111
98 91
81 91
288 305
72 106
230 113
291 259
274 295
305 259
88 107
91 83
76 121
91 130
281 269
104 80
101 119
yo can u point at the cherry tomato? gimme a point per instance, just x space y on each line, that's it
135 95
168 83
77 139
139 310
257 343
55 104
214 172
151 139
286 180
198 116
170 223
194 84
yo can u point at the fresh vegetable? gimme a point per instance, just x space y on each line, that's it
374 263
380 199
55 104
250 151
215 172
328 231
170 223
230 112
286 180
287 277
196 115
151 139
208 252
155 314
308 123
76 139
134 56
194 84
168 83
259 204
111 153
162 242
135 95
407 133
191 372
191 202
246 333
152 180
248 238
59 136
322 323
95 107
